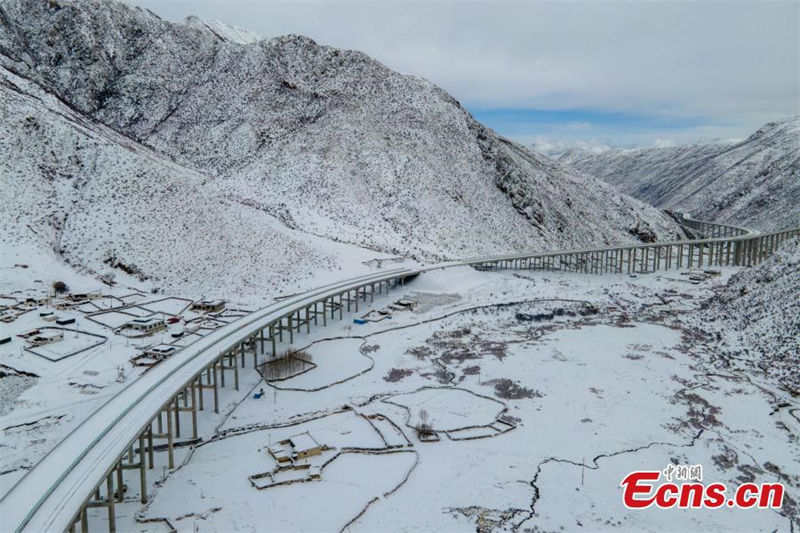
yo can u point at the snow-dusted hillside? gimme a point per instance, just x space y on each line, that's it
226 32
758 312
101 201
753 183
329 142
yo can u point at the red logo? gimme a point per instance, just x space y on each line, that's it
641 490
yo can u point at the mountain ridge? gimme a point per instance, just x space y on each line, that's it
754 182
328 142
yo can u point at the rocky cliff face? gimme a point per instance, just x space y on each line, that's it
316 140
755 183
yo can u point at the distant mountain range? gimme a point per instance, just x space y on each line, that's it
196 154
754 183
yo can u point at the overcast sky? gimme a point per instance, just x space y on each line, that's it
559 73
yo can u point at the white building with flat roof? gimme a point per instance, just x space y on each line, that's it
146 325
160 351
43 337
209 306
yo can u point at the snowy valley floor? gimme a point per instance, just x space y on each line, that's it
542 390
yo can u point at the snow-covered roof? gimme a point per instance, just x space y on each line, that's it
162 349
303 442
211 303
146 321
278 452
50 334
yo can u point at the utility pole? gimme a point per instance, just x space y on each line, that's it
583 469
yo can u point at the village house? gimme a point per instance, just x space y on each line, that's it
209 306
64 304
303 446
295 448
36 301
40 337
277 451
146 325
82 297
160 351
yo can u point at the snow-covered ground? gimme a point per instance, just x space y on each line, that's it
48 390
542 391
758 317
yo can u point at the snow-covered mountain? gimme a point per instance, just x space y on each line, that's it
191 149
226 32
103 202
754 183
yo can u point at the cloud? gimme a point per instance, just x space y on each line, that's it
735 63
664 143
577 126
555 147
